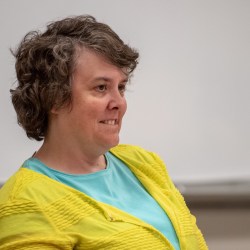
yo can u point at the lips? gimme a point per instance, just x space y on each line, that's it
110 122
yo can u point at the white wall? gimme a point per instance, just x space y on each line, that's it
189 98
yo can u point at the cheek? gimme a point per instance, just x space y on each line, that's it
124 107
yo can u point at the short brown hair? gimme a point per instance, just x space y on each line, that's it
45 63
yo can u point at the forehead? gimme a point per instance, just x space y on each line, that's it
91 64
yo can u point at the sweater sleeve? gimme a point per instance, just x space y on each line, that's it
23 225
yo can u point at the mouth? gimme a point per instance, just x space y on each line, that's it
110 122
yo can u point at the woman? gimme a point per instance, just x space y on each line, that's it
80 190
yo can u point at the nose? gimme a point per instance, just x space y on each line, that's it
117 100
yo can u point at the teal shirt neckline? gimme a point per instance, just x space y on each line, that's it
111 186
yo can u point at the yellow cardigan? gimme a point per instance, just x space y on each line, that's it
37 212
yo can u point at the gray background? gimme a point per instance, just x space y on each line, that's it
189 97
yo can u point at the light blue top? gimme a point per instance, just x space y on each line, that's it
116 186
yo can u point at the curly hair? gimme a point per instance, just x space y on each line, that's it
45 63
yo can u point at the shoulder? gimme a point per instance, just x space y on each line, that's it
29 186
16 184
142 161
15 197
135 152
26 214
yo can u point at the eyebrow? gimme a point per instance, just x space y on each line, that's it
107 79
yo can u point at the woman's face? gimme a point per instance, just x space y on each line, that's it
93 121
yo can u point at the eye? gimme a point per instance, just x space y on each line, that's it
122 88
101 88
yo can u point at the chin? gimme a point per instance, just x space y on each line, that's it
113 143
106 143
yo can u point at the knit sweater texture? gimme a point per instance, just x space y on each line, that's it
37 212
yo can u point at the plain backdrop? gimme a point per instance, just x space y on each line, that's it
189 99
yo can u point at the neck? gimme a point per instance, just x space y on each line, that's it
65 157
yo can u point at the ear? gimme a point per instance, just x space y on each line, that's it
54 110
66 107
